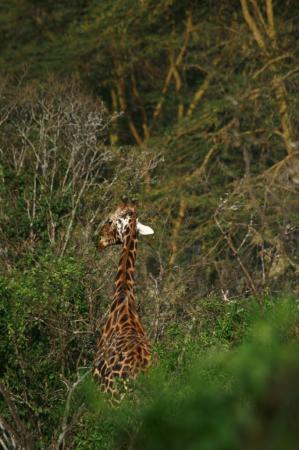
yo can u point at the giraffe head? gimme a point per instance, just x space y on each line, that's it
119 224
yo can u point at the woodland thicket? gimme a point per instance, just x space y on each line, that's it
192 108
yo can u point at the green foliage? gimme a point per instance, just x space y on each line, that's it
226 397
41 312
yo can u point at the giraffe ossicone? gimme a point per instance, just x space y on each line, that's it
123 350
144 229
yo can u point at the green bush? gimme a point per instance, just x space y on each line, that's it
235 397
41 312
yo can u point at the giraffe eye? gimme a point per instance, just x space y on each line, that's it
109 221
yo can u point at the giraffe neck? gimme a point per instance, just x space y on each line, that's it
123 313
124 282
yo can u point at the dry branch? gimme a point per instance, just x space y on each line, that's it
176 230
277 81
21 434
231 245
174 63
66 425
253 26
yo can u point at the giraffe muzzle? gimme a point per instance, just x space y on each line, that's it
102 244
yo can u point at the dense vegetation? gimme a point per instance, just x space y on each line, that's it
193 109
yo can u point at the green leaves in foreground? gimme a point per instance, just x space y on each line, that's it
245 398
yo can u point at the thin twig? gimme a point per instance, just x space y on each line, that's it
65 425
236 255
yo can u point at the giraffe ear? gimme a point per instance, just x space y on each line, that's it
144 229
124 199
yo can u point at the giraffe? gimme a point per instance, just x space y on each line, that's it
123 349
